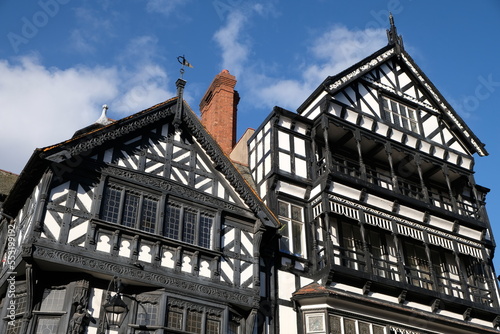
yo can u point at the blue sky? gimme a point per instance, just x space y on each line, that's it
61 60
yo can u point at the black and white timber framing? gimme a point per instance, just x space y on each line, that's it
361 216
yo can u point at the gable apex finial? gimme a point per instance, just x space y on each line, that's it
392 35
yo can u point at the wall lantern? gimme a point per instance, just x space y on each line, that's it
115 309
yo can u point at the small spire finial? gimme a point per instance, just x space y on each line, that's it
392 35
104 120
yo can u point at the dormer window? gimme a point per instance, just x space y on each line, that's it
400 115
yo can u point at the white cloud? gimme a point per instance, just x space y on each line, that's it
235 48
42 106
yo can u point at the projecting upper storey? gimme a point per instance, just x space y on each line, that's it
387 94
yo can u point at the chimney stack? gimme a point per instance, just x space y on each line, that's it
218 110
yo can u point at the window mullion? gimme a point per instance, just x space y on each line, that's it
181 223
122 206
138 214
197 229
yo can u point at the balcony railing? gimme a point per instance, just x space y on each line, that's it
402 186
415 275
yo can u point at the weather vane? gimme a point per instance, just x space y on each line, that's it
182 60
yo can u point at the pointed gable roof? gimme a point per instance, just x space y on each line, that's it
394 51
101 137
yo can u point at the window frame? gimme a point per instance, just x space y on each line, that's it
288 230
327 323
53 314
199 239
204 313
404 117
120 210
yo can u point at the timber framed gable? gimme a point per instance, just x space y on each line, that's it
388 94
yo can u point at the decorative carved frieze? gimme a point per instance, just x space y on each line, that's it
120 131
130 273
362 69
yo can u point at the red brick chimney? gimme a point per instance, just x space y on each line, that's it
218 110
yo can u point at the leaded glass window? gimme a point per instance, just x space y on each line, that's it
194 318
400 115
188 224
130 207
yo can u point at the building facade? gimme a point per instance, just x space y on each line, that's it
356 214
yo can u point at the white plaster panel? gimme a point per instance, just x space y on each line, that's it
168 259
259 171
389 75
251 144
287 320
411 213
291 189
315 191
285 122
77 231
457 147
335 109
439 152
284 140
430 125
95 302
412 141
227 270
468 232
425 147
351 116
59 191
247 243
382 129
267 126
301 128
187 266
263 190
366 123
404 79
344 190
441 223
267 143
221 191
205 268
103 243
378 202
125 248
286 285
301 167
246 275
284 162
85 198
299 146
145 253
51 224
227 239
267 165
397 135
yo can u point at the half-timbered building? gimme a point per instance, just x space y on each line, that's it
383 228
356 214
